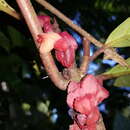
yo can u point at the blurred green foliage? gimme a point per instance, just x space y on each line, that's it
27 100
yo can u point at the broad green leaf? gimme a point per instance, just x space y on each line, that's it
4 42
5 7
120 37
118 70
122 81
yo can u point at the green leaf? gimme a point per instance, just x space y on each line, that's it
120 37
118 70
122 81
5 7
16 37
126 112
4 42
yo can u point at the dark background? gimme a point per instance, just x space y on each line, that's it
29 100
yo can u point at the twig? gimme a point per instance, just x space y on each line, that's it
30 18
75 75
105 77
35 28
53 72
108 51
69 22
86 56
96 54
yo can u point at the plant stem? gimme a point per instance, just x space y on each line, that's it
30 18
53 72
35 29
96 54
86 56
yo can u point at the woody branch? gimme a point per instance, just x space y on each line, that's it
35 29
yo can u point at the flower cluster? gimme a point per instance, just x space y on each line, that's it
84 97
63 43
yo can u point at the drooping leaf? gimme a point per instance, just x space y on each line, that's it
5 7
118 70
4 42
122 81
120 37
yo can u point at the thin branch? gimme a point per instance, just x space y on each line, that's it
96 54
75 75
108 51
69 22
53 72
105 77
85 60
35 29
30 18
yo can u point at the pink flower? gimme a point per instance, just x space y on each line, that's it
66 55
47 41
87 89
84 97
74 127
64 47
45 23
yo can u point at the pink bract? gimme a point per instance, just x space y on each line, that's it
66 56
84 97
45 23
65 47
89 87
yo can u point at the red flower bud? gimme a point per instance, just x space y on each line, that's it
45 23
65 50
